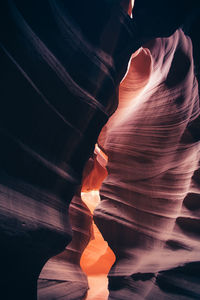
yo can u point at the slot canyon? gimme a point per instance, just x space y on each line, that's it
100 150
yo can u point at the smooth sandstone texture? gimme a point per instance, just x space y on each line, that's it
59 80
97 258
61 65
88 254
149 209
62 275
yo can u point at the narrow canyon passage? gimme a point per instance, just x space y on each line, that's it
80 272
97 258
144 212
64 66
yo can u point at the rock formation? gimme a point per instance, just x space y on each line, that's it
149 209
59 81
62 275
65 274
61 65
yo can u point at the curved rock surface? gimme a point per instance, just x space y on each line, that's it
88 254
62 276
61 66
97 258
59 79
149 210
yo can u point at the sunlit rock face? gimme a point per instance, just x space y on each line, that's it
80 271
97 258
61 67
149 209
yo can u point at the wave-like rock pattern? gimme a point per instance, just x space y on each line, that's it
61 66
65 274
62 275
60 70
149 211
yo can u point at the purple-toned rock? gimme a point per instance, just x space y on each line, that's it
62 275
149 212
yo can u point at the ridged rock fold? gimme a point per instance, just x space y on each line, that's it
149 211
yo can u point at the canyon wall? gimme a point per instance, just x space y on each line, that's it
149 209
61 65
59 82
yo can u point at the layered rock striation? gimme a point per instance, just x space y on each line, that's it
62 276
61 65
59 79
149 211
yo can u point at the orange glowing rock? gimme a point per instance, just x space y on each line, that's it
95 171
97 258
